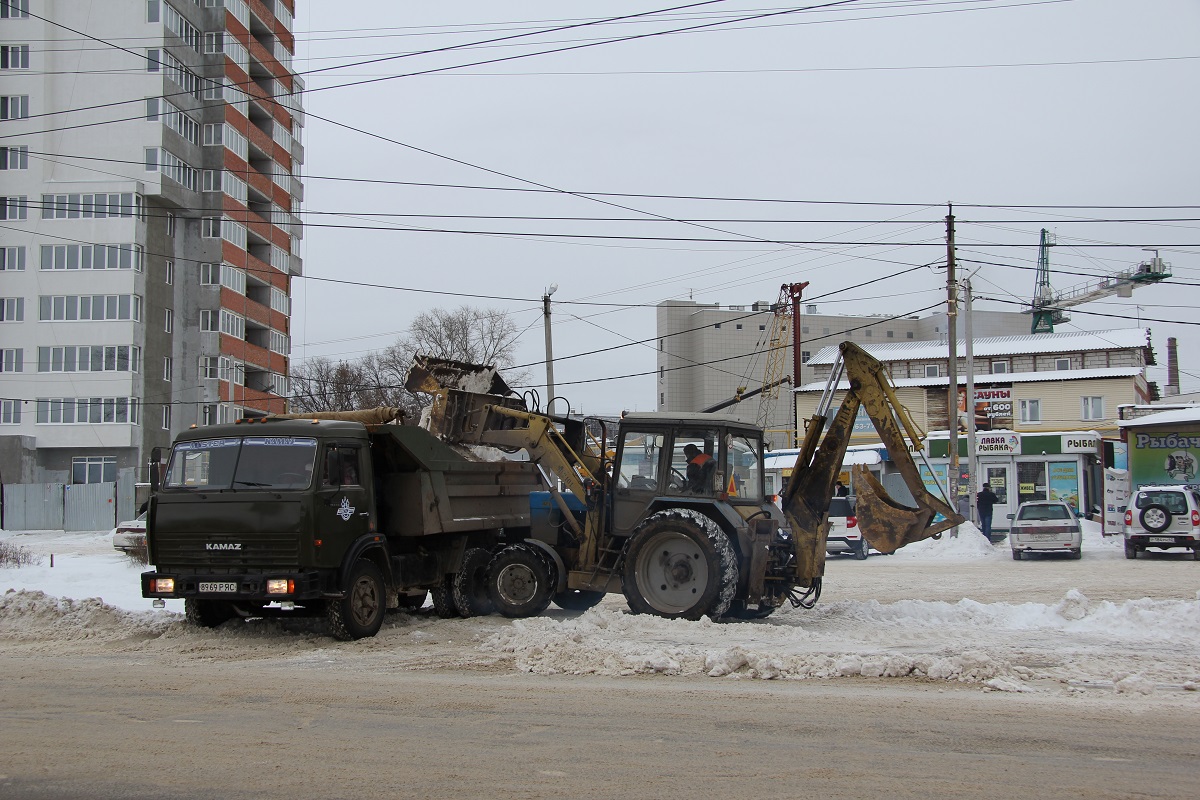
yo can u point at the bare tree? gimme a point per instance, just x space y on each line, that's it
479 336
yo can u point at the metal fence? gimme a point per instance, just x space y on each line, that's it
69 507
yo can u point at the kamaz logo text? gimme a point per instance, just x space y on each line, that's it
222 546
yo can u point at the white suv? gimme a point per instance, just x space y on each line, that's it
1163 517
844 534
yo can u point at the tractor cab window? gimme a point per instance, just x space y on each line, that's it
638 467
744 470
694 462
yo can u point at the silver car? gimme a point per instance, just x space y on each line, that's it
1045 526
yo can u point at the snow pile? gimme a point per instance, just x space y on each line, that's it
31 615
970 543
965 641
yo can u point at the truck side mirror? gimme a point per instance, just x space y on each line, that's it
155 462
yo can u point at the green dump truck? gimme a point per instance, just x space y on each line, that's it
341 514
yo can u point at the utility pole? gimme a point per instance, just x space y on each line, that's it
969 344
952 372
549 348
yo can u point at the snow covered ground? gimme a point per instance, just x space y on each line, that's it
957 609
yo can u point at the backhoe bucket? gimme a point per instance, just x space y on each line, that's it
431 375
888 525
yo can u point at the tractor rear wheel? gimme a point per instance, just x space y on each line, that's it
680 567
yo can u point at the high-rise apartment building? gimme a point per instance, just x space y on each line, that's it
150 171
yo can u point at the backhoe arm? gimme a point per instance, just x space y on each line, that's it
886 524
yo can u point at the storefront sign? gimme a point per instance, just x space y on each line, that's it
1064 482
997 443
1076 443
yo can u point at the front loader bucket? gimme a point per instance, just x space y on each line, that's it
431 375
888 525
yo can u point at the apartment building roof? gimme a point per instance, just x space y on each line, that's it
1029 344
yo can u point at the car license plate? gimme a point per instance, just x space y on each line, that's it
1042 537
1162 539
216 587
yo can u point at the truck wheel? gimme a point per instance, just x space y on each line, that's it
678 567
577 599
207 613
443 599
469 587
863 550
1130 549
360 613
520 582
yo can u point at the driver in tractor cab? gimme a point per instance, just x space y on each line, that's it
699 469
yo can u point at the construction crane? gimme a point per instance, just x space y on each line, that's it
785 308
1047 305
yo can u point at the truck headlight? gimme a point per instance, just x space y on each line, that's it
281 586
163 585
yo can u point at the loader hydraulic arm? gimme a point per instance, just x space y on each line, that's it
885 523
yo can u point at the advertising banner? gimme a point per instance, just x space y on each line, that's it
1164 458
1116 498
1064 482
993 408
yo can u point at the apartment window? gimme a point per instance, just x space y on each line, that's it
98 307
169 273
1093 408
282 260
280 301
14 207
159 159
762 327
279 343
908 334
90 358
168 320
1030 410
210 274
12 259
12 309
12 360
14 56
177 24
1061 364
233 324
208 320
166 418
14 106
933 370
14 157
279 384
10 412
160 108
662 399
91 256
87 410
167 369
999 367
94 469
14 9
208 367
891 334
661 344
93 206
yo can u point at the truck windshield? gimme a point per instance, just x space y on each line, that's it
250 462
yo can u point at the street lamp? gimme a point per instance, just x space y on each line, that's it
549 348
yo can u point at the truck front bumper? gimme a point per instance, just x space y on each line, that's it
259 588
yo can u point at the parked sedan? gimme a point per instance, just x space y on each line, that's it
131 534
1045 526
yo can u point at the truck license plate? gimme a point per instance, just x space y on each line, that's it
218 587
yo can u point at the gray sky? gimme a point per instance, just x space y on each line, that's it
876 102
